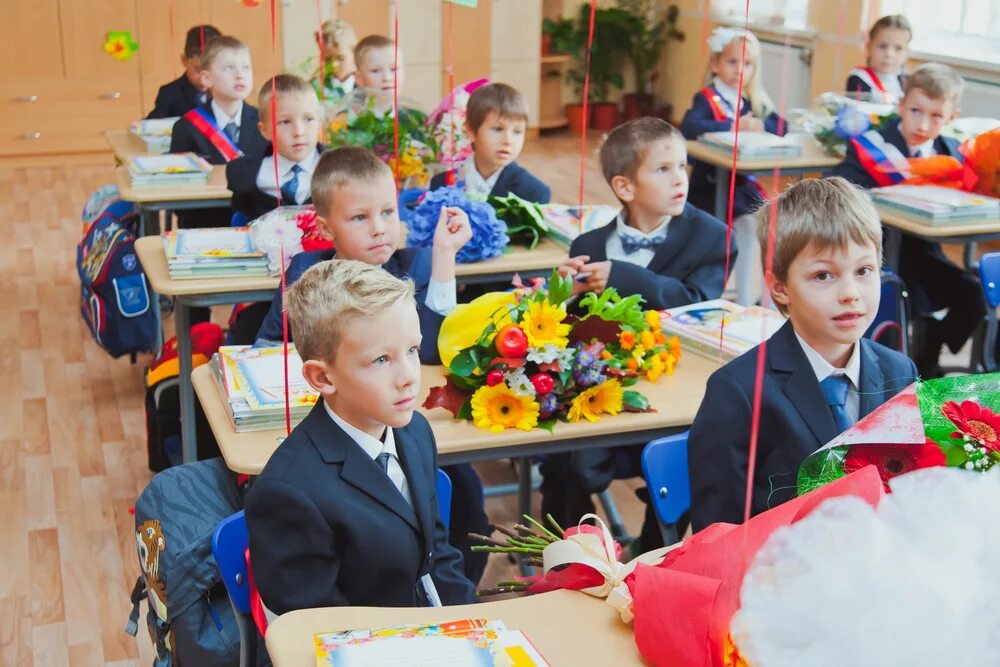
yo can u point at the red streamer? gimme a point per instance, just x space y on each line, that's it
319 45
451 89
395 86
284 345
586 94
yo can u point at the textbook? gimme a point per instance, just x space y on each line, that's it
698 326
937 204
461 643
225 252
154 133
170 170
753 145
252 381
567 222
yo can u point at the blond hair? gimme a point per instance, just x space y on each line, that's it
505 100
626 147
329 296
753 88
339 167
282 84
217 45
338 33
823 212
937 81
369 44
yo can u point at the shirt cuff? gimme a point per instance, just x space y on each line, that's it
441 296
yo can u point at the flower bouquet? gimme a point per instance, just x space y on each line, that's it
524 219
519 360
447 124
979 172
489 235
950 421
285 232
835 119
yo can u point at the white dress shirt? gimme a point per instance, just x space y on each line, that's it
475 184
729 96
265 175
925 149
221 119
824 369
641 257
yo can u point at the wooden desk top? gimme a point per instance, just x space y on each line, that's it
154 263
567 627
675 398
215 189
124 144
919 227
813 156
547 255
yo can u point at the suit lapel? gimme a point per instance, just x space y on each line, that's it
410 457
679 231
873 388
895 137
596 243
248 127
801 387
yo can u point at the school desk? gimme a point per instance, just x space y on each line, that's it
813 159
967 232
125 145
567 627
150 201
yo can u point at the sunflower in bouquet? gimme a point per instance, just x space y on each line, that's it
521 360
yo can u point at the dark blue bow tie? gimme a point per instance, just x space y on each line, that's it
630 243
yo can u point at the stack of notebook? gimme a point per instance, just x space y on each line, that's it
937 205
213 253
753 145
154 133
567 222
720 329
171 170
252 381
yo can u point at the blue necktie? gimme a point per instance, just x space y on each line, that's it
383 461
630 243
290 188
835 390
232 131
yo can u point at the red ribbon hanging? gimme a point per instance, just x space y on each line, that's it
586 94
284 345
395 87
450 177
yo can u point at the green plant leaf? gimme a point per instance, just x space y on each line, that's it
635 401
464 363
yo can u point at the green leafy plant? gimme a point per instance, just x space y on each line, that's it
608 52
651 28
525 223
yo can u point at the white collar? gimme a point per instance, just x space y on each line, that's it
728 93
308 165
824 369
474 181
372 446
222 119
624 230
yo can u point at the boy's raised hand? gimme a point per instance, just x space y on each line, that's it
597 274
453 230
572 268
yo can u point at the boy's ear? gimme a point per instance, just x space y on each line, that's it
265 129
205 78
623 188
777 289
317 374
324 228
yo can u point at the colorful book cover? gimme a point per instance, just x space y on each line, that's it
568 222
215 243
742 327
171 163
260 373
754 144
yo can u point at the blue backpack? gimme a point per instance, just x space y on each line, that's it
115 300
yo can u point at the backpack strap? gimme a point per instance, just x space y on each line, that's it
138 593
205 124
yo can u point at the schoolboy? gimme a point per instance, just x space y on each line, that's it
355 199
335 77
930 101
496 121
345 512
377 69
660 247
820 375
187 91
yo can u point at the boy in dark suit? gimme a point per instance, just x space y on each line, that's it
355 198
496 120
186 91
930 102
820 375
345 513
660 247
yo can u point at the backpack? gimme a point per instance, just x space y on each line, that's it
891 324
190 619
115 301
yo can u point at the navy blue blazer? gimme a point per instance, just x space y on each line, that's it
412 263
698 120
248 199
795 421
187 139
852 169
328 527
855 84
514 178
176 98
688 267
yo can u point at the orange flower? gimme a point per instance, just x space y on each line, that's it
660 338
674 345
605 355
632 364
626 339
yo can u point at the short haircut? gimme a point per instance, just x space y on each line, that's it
498 97
282 84
897 21
217 45
937 81
369 44
339 33
341 166
625 148
197 37
825 212
330 295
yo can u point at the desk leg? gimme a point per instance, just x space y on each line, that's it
892 240
149 222
524 502
969 256
721 192
182 318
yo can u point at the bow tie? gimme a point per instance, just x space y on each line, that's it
630 244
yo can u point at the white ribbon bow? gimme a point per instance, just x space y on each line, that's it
721 36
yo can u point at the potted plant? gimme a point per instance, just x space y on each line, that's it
651 28
607 55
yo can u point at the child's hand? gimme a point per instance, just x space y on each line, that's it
597 275
749 123
571 268
453 230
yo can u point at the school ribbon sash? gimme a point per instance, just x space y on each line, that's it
205 123
884 162
720 109
868 75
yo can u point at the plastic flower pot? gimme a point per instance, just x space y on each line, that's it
637 105
605 116
574 114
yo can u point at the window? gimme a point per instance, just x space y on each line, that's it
777 13
968 29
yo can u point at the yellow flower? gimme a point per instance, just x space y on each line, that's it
591 404
626 339
653 320
498 407
338 124
654 368
647 339
543 325
464 325
605 355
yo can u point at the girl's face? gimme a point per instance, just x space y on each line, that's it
726 64
888 50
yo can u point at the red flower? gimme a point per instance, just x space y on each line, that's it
974 420
893 460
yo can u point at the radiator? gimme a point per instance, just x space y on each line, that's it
772 56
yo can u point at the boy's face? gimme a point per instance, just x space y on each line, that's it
374 379
192 70
831 295
230 76
660 184
922 118
888 51
498 141
296 124
363 220
341 59
376 70
726 64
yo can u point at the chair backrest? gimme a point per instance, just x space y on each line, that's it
444 496
229 545
665 468
989 276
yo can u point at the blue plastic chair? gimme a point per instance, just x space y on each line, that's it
989 278
229 545
444 497
665 468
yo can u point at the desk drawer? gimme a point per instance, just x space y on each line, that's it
46 95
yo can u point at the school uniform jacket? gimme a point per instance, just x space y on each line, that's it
688 267
705 116
329 528
412 263
861 79
795 421
187 139
176 98
241 176
513 179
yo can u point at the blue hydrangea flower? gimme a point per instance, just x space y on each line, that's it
851 122
547 405
489 234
